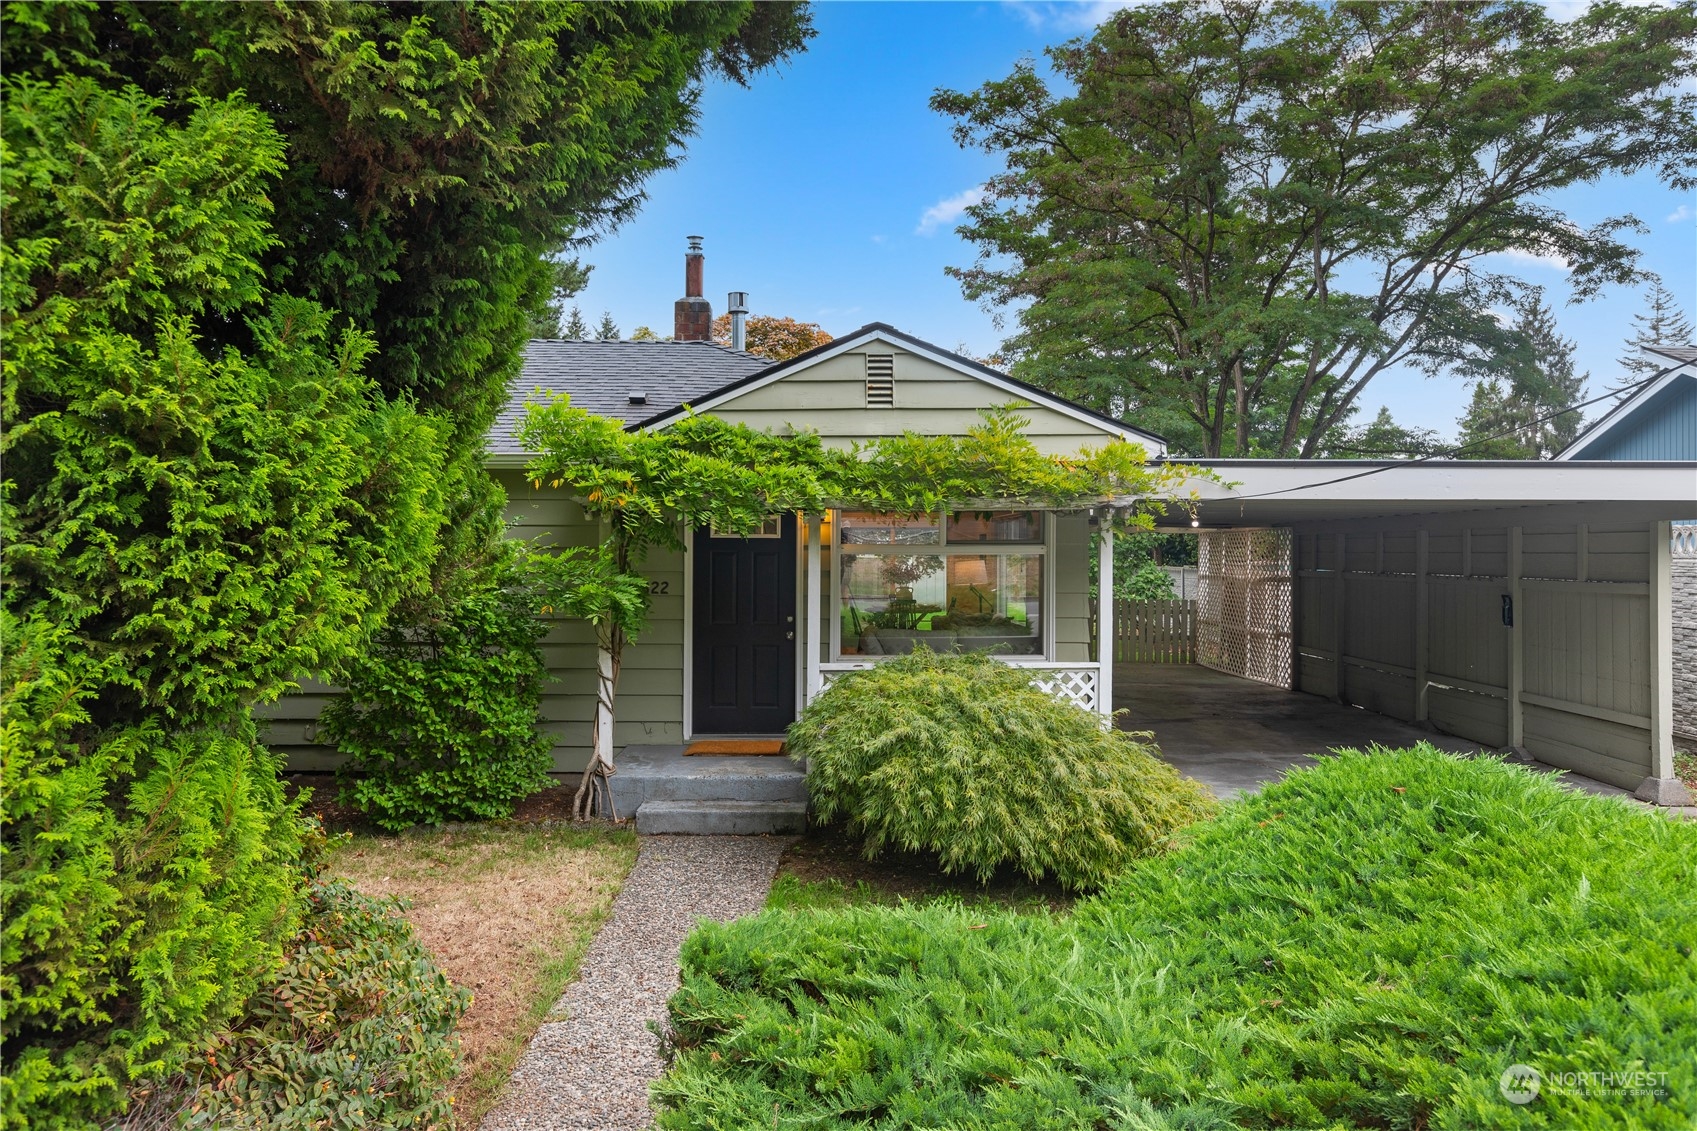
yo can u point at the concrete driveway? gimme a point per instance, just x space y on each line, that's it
1235 735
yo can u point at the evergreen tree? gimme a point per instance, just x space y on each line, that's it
606 330
1523 416
1382 438
1494 424
441 158
570 277
188 529
575 328
265 273
1663 325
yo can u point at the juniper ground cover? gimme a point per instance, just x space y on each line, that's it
1369 943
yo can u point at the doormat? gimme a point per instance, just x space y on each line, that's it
738 746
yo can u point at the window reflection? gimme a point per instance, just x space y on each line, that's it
974 602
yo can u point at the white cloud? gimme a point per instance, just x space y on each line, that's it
879 238
1534 258
947 211
1069 17
1683 212
1566 11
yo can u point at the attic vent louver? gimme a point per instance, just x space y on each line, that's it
880 380
639 398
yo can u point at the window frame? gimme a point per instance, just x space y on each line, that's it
832 600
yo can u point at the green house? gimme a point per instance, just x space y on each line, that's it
744 630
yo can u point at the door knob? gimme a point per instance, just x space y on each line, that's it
790 635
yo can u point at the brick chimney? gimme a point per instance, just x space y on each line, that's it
692 315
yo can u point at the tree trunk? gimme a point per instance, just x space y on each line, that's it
1242 408
594 794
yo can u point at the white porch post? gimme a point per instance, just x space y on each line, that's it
1105 614
810 639
1661 652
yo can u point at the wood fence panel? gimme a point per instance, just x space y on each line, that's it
1155 632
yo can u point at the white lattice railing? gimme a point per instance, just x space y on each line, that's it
1079 684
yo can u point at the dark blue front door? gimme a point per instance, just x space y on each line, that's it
745 632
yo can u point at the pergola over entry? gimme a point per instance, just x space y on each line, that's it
1522 605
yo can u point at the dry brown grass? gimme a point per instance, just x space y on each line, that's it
507 910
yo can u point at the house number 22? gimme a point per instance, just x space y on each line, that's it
659 586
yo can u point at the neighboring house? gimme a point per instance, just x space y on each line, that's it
1514 604
1659 422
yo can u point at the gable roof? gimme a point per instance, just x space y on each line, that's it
875 331
601 377
1682 355
1684 369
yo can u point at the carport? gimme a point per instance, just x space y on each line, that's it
1521 606
1235 735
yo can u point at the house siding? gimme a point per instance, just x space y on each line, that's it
651 681
1664 427
829 397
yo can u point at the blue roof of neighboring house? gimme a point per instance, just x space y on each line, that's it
1659 422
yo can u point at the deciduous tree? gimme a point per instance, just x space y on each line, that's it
1380 438
1235 216
773 337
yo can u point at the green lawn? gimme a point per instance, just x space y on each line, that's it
1371 943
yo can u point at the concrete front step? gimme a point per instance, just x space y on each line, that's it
665 773
721 818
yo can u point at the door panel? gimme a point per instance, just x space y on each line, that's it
744 649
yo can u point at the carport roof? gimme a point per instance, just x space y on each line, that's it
1283 492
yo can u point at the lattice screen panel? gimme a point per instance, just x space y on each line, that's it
1078 684
1243 604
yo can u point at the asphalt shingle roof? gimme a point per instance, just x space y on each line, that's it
1682 354
602 376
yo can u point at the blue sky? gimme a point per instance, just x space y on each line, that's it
830 192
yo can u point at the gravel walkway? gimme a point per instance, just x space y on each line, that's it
593 1070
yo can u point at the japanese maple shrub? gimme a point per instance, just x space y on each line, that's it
959 755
